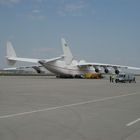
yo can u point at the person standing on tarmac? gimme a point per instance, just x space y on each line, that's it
113 79
110 77
134 79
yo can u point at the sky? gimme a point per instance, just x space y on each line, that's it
104 31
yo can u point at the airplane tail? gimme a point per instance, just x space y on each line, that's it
12 58
67 53
10 53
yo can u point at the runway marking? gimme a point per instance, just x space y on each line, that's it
69 105
133 122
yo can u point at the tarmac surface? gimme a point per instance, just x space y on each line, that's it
46 108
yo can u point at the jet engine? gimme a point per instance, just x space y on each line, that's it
106 70
117 71
97 70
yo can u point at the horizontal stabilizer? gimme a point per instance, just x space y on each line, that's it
23 59
12 58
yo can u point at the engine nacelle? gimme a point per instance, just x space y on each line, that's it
106 70
97 70
117 71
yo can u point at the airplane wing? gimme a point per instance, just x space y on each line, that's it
106 65
101 65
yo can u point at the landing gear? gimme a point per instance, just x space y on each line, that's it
64 76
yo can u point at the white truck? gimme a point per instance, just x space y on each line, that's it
125 77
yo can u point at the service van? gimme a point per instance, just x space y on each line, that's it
125 77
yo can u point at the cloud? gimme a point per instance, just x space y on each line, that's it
15 2
37 17
9 2
36 14
75 8
36 11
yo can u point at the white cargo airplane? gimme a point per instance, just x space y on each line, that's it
65 65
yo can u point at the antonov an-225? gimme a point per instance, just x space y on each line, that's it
65 65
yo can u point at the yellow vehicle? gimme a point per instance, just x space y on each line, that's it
93 76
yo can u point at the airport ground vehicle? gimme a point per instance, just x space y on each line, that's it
92 76
125 77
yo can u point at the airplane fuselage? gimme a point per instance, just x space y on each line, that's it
61 68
